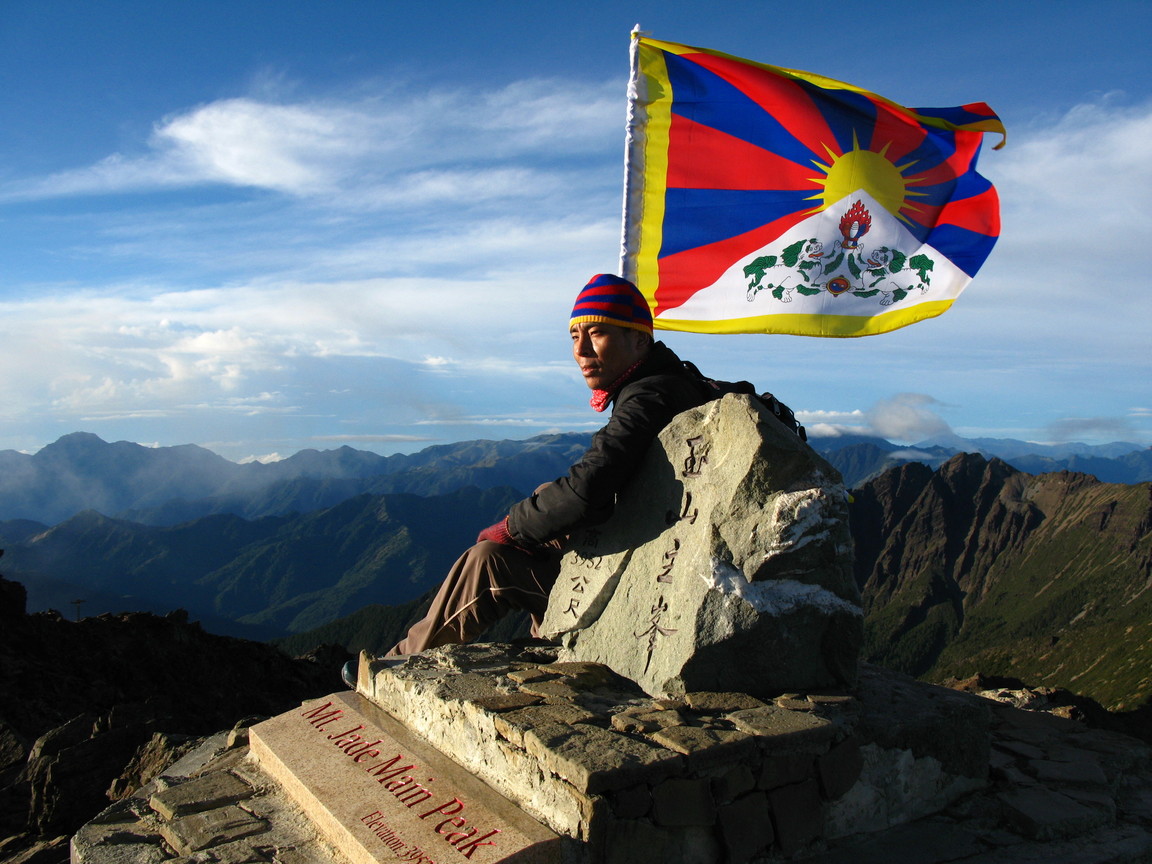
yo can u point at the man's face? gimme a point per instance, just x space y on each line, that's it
604 352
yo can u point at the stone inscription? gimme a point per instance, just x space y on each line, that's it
578 582
443 814
694 463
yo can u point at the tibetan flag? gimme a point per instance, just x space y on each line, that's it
766 200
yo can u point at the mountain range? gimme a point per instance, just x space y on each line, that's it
170 485
966 563
254 578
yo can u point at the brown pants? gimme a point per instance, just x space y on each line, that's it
487 582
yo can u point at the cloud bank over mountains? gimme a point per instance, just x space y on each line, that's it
268 271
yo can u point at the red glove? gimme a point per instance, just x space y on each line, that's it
497 533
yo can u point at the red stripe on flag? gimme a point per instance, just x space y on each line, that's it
685 273
778 96
701 157
980 213
897 131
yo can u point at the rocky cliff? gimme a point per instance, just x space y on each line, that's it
979 567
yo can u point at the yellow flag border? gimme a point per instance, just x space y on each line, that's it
800 324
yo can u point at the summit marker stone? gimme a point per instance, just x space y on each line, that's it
727 565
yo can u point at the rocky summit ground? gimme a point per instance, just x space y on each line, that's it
94 708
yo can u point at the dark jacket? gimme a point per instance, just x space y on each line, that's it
659 390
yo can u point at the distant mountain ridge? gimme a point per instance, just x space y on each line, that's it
259 578
169 485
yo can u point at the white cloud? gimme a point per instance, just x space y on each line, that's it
289 148
389 149
907 417
1071 201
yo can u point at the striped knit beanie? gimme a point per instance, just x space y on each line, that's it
609 299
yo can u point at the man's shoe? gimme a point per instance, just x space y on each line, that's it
348 673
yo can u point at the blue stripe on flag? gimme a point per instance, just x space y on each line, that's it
699 217
704 97
966 249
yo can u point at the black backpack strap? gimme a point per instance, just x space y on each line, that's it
718 388
784 414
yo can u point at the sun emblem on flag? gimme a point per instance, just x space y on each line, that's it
871 171
846 266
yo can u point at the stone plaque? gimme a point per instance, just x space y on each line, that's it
380 795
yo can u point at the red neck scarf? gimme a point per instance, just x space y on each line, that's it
601 398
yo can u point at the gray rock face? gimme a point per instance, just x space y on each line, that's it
726 566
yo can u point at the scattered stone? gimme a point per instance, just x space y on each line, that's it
840 768
585 676
200 830
594 760
500 702
785 729
631 841
786 768
1043 814
709 702
531 673
582 778
1019 748
794 704
1085 771
640 720
732 783
204 793
829 699
513 724
746 827
553 689
797 814
706 747
771 803
632 803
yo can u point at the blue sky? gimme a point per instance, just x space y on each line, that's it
267 226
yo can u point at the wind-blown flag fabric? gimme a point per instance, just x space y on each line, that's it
767 200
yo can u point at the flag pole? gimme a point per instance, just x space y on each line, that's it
633 160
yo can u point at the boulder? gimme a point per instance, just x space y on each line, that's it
727 565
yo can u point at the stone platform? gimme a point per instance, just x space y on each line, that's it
1056 790
706 777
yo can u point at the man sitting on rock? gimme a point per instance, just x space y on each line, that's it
515 562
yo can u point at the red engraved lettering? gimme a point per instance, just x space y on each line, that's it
361 746
373 819
351 731
456 804
472 845
416 795
386 771
457 822
320 719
